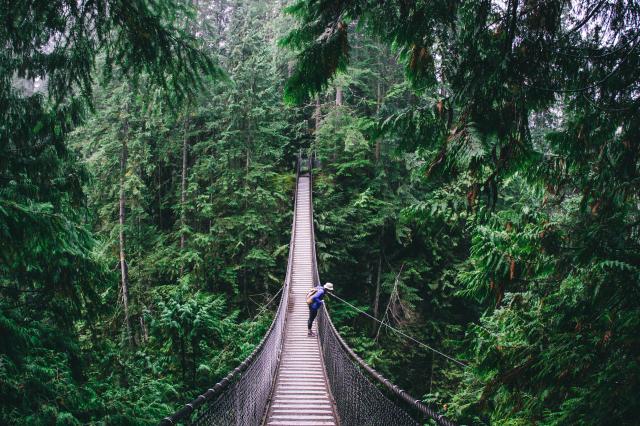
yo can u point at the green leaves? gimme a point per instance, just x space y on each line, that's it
323 50
517 121
485 202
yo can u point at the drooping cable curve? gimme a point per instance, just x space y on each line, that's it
242 397
395 330
362 396
358 389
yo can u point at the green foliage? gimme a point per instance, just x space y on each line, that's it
200 269
59 41
478 191
190 331
60 359
376 240
521 133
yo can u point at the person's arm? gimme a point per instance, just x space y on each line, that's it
318 295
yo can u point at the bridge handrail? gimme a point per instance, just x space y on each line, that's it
217 390
415 404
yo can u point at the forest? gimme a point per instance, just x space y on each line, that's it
478 189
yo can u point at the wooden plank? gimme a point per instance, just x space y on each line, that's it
301 396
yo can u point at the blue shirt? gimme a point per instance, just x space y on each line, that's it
317 298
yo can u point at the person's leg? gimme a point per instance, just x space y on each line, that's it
312 316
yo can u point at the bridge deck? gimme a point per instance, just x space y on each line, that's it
301 395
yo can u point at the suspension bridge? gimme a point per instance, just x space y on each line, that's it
291 379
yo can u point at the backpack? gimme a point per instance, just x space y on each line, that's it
310 294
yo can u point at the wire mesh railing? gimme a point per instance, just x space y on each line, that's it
242 397
245 400
362 395
359 390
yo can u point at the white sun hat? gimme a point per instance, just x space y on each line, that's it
328 286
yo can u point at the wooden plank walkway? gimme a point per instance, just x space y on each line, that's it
301 395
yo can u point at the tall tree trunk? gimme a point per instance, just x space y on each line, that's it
210 216
183 187
183 182
317 114
183 359
290 66
376 297
338 96
159 198
185 154
245 291
144 330
194 364
378 104
124 273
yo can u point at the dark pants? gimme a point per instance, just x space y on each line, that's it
313 313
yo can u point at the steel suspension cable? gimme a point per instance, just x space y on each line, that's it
424 345
242 396
266 305
362 395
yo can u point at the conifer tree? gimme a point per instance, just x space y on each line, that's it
524 114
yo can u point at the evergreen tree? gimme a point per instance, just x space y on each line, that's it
536 101
478 191
50 276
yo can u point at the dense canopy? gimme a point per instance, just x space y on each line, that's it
479 190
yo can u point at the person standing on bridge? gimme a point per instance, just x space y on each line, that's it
314 300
